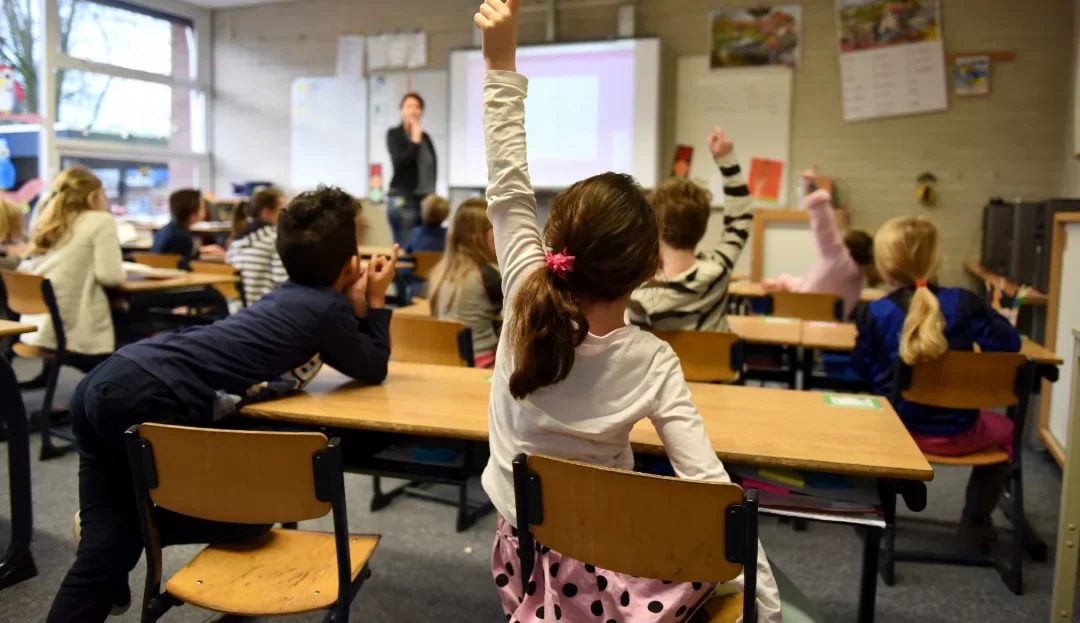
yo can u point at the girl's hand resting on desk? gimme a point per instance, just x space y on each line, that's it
380 274
499 22
719 143
357 293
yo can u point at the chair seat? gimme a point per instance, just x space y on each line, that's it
724 609
284 572
31 352
990 456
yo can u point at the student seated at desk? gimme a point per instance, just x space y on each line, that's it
186 208
692 292
76 248
332 306
466 284
253 250
429 235
920 321
845 261
571 378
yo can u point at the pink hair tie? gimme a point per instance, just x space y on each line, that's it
921 283
560 263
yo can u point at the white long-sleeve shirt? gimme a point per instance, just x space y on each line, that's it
85 262
617 379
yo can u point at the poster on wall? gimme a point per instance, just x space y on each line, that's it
892 57
755 37
971 75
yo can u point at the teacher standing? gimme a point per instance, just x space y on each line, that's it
413 155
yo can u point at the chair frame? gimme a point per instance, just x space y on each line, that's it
329 478
1011 573
51 372
741 531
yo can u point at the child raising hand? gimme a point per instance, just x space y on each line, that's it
571 378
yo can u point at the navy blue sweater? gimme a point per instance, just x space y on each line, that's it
173 238
968 321
282 331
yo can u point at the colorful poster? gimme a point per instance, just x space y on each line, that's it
971 75
892 57
755 37
766 178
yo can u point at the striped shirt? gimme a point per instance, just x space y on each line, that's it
697 298
255 255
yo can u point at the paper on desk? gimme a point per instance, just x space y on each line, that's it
874 521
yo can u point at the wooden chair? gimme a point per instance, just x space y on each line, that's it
33 295
158 260
416 339
969 380
805 306
249 478
682 530
424 262
231 291
707 356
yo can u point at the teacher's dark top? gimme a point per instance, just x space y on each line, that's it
408 158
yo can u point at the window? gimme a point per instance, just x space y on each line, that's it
140 188
130 38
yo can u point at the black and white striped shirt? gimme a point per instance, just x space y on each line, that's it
696 299
254 254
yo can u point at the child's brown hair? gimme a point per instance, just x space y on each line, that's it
683 209
434 210
266 198
607 224
467 248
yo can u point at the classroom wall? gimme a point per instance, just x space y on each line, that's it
1070 175
1009 144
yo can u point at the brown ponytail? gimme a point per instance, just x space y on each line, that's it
240 218
906 254
266 198
607 224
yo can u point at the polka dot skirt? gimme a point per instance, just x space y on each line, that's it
564 589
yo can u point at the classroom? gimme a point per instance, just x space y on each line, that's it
531 310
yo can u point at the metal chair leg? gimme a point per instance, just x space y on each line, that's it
49 450
1015 575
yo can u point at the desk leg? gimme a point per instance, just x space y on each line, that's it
808 368
868 583
18 563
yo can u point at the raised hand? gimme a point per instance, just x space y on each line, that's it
719 143
809 179
499 22
416 131
380 274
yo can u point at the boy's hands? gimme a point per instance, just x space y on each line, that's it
380 274
357 293
719 143
499 22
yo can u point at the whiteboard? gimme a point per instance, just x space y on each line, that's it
753 105
329 134
387 89
1068 318
789 249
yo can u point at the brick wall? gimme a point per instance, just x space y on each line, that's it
1009 144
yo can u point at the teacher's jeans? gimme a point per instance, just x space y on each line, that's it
404 212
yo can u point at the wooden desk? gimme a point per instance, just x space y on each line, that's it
419 307
747 425
1033 297
749 290
191 280
141 244
766 330
212 227
370 250
9 328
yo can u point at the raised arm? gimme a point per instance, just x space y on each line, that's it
738 204
818 205
682 430
511 201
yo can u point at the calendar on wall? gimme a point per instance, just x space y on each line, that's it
892 58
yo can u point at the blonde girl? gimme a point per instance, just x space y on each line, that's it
920 321
465 285
75 247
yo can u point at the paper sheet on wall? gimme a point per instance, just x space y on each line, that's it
397 51
753 105
892 58
350 56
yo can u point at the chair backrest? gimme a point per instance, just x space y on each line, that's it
805 306
24 293
633 523
158 260
966 380
424 262
416 339
707 356
235 476
228 290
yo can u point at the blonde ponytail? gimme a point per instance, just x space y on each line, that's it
906 254
923 336
72 193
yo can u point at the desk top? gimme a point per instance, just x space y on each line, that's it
747 425
747 289
766 329
9 328
212 227
191 280
1031 297
419 307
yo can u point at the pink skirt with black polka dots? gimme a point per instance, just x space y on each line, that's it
562 588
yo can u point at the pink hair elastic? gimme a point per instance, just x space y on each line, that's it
921 283
560 263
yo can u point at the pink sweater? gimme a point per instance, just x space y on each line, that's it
835 273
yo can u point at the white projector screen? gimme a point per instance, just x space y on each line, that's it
592 107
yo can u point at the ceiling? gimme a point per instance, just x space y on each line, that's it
224 4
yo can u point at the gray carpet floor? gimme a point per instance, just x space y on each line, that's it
424 571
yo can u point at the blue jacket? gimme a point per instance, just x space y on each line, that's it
426 238
968 321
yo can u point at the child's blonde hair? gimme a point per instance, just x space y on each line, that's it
71 195
434 209
906 253
11 222
467 248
